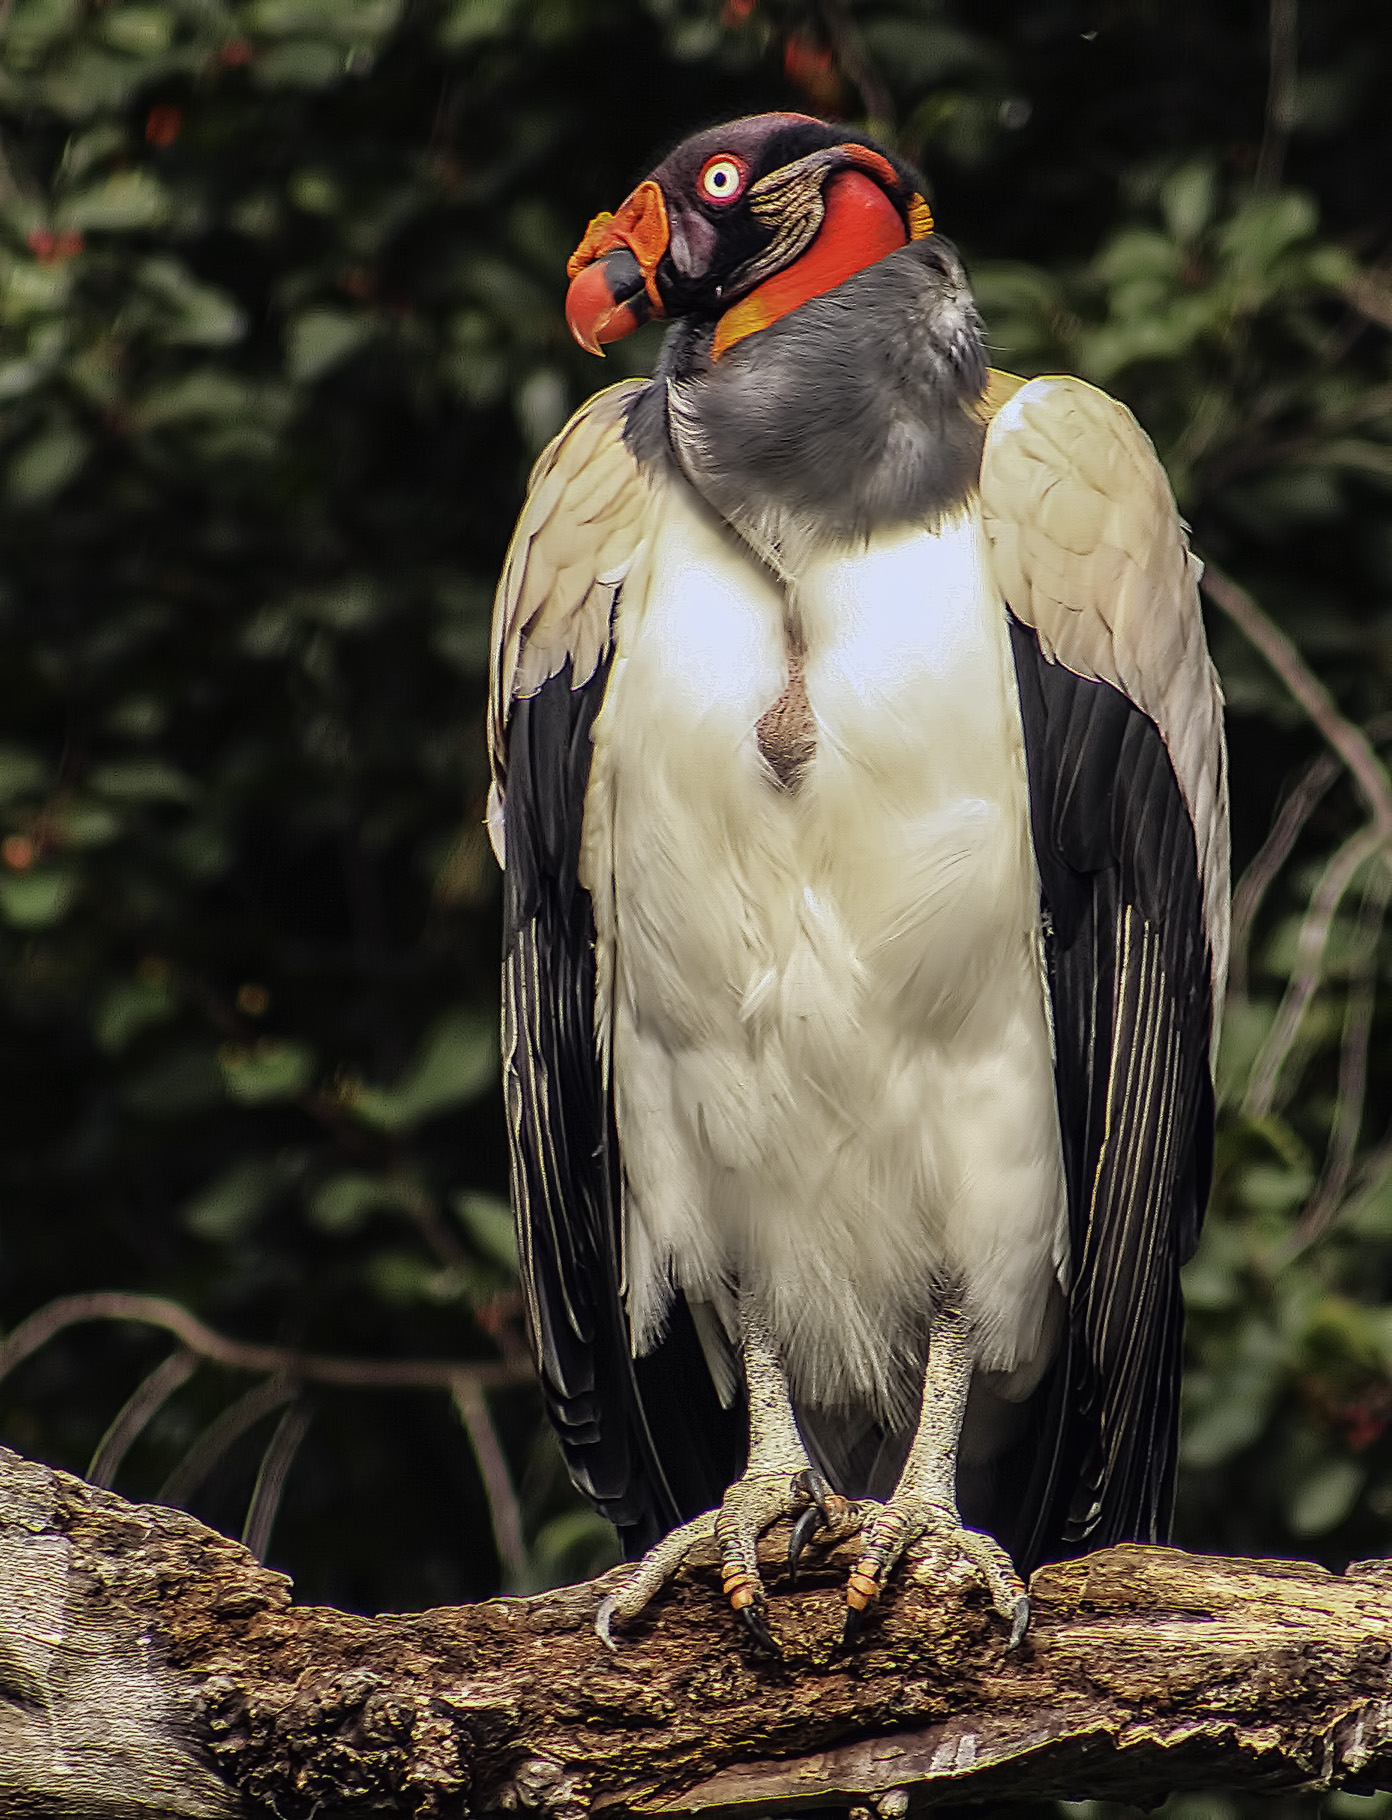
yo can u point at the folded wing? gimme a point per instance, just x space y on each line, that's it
1123 732
647 1440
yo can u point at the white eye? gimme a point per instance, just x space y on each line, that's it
721 179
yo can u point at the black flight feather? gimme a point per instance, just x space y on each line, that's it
647 1441
1129 976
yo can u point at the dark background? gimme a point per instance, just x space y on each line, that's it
280 332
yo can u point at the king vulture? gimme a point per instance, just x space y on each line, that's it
860 788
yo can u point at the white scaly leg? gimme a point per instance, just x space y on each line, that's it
922 1516
779 1481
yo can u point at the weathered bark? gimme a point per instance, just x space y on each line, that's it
149 1667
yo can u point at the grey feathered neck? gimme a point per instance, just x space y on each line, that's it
853 413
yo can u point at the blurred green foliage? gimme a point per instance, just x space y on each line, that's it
280 331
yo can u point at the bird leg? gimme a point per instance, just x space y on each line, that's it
779 1481
921 1517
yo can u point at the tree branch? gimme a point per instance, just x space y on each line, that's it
1348 740
850 56
281 1361
149 1667
1340 871
1283 40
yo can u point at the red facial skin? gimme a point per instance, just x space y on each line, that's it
862 224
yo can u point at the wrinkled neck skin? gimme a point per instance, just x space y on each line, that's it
856 412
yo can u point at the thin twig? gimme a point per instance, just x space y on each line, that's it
311 1368
148 1398
276 1462
1369 1175
1370 294
1338 875
1259 449
1347 1122
1347 739
852 60
1283 40
1308 792
222 1434
503 1506
10 190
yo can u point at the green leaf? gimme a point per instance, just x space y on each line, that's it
130 1007
34 25
1246 1025
470 21
575 1546
922 51
272 1068
1138 253
199 315
352 606
1213 1278
343 1203
142 31
229 1207
1369 1214
458 1062
33 900
1325 1498
182 1083
123 201
45 465
1188 199
319 340
142 780
21 773
207 392
350 20
1232 1424
1263 229
401 1277
489 1223
1271 1189
308 63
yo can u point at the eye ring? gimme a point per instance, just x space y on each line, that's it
722 178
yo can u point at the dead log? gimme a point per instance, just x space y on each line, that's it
149 1667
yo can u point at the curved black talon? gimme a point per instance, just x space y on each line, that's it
1019 1623
854 1626
812 1485
759 1633
803 1531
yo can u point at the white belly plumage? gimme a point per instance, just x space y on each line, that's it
824 1009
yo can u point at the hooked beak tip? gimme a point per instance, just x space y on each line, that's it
606 301
584 332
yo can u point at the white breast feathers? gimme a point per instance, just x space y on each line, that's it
823 1004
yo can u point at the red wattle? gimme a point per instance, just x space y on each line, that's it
861 225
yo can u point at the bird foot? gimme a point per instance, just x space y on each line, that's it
753 1504
927 1530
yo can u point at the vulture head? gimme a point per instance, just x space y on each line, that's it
825 364
741 224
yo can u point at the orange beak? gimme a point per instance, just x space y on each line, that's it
613 271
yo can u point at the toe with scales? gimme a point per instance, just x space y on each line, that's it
912 1527
756 1501
921 1518
779 1481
